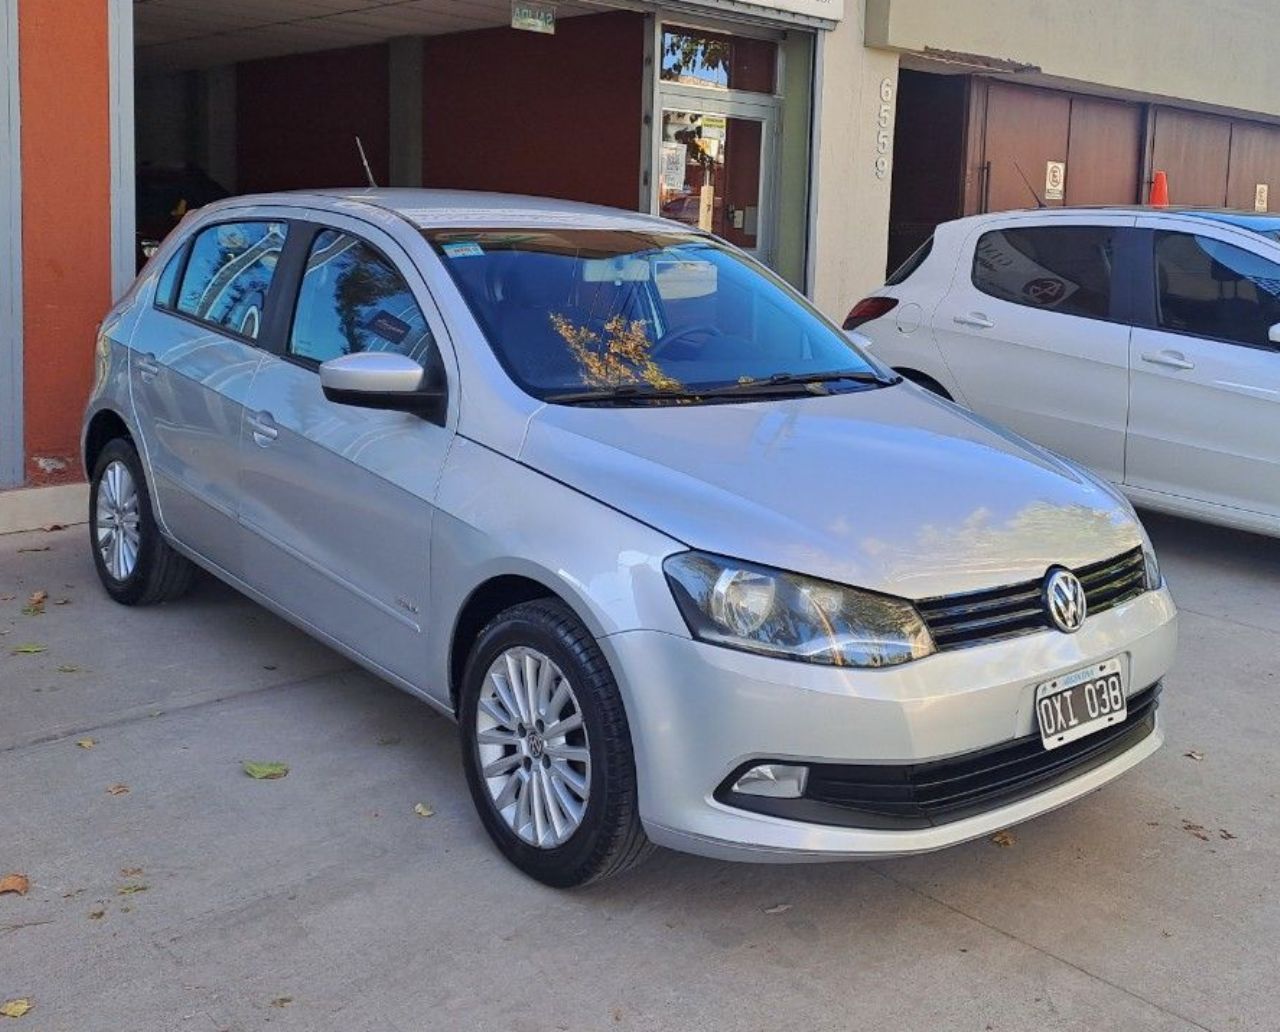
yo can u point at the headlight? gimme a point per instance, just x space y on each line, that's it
1150 569
744 606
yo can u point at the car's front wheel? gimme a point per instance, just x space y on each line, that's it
134 562
547 748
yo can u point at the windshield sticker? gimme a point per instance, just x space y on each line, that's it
467 249
387 326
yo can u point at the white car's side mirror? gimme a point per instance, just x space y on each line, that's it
1273 334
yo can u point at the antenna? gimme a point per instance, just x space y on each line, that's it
369 172
1039 202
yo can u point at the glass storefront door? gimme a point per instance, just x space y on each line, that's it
714 148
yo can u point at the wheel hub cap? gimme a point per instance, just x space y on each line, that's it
532 747
116 528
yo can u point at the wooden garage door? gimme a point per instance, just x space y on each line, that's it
1193 150
1104 154
1025 128
1255 160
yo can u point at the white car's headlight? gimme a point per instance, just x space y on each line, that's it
1150 568
758 609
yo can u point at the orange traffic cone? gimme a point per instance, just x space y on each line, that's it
1160 191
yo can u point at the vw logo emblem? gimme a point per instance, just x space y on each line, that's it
1064 600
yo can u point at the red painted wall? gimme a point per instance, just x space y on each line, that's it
66 221
529 113
297 118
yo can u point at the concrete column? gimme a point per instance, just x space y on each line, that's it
11 447
849 231
405 81
67 248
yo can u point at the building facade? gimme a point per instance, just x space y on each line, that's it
828 137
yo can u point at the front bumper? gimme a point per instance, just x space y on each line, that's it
698 712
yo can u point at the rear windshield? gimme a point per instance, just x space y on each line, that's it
911 264
574 310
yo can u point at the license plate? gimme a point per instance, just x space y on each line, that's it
1081 702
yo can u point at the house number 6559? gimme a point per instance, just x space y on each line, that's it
884 128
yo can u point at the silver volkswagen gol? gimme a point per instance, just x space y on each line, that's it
686 566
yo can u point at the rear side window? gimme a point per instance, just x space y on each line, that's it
353 299
169 279
1064 269
229 274
1211 289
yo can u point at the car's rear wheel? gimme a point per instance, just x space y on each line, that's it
134 562
547 749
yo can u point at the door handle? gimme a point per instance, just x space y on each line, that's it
1172 359
264 428
974 319
148 367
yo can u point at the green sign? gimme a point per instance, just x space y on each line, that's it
533 17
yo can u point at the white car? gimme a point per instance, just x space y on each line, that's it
1140 342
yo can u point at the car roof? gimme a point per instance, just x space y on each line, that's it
452 209
1257 222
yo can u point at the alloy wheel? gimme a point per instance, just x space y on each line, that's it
116 521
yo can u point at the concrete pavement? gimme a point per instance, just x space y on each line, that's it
201 899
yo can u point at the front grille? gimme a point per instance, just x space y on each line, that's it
978 617
921 795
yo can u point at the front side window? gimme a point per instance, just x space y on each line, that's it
1064 269
1212 289
353 299
621 311
229 274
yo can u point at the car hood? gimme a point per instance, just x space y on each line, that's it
892 489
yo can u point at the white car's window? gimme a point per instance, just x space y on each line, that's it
1212 289
353 299
570 312
1065 269
229 273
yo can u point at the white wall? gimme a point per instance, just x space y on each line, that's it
850 231
1215 52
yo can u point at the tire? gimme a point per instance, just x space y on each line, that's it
608 837
156 573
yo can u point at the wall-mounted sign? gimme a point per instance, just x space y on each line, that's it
533 17
1260 197
1055 180
674 159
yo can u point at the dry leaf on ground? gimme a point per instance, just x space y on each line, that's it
14 883
130 872
1222 834
68 668
1195 829
117 789
62 601
423 810
131 890
97 913
265 771
778 908
1003 839
87 743
54 526
35 603
282 1001
15 1008
27 648
1194 754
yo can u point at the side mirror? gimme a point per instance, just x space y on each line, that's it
382 380
1273 334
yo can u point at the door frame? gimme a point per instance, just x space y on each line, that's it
761 107
12 447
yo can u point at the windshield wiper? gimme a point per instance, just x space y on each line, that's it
779 384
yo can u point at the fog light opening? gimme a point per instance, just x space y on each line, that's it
775 780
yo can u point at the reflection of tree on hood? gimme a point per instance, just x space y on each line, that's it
360 286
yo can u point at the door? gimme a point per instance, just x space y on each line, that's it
190 368
1205 382
714 147
337 500
1034 332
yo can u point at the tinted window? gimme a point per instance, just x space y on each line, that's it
1212 289
571 310
916 260
229 273
352 299
1063 269
169 279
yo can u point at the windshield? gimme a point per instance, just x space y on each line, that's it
580 313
